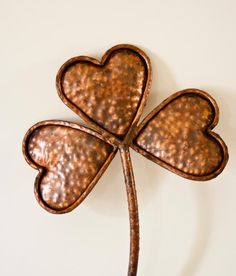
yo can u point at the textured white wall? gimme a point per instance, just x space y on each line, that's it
187 228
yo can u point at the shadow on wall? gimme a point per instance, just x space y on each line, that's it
203 232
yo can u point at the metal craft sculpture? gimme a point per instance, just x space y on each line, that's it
110 96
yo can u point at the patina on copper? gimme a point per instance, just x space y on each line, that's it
110 96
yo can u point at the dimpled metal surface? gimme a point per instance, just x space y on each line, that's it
177 135
109 94
71 157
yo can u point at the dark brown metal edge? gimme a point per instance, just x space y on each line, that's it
101 63
42 170
133 209
210 133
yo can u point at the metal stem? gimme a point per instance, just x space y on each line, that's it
133 210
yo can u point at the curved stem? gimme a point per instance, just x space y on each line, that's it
133 210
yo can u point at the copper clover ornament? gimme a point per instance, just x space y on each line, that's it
110 96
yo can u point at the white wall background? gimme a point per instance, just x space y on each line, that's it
187 228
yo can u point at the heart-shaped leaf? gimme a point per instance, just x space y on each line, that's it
109 94
177 135
70 158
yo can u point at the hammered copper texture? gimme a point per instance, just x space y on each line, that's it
177 135
110 94
71 157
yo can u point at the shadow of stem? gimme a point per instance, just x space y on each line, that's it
204 226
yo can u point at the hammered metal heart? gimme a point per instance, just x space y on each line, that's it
109 93
70 160
178 135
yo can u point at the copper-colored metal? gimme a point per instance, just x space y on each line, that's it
133 209
110 95
70 158
178 136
